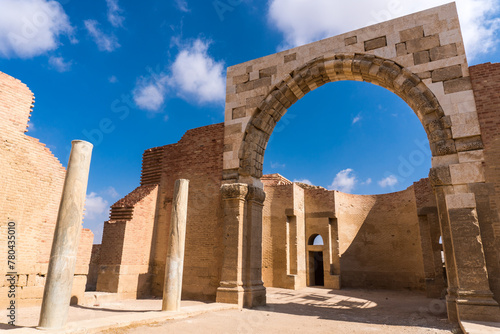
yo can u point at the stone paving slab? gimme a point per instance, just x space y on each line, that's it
479 327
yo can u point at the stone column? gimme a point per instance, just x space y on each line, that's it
231 285
174 267
254 290
474 298
59 282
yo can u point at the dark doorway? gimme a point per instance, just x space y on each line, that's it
316 271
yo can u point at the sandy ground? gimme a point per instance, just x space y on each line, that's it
317 310
29 316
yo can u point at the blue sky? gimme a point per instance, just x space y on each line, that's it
129 75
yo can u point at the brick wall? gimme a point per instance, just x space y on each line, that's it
198 158
380 240
124 263
31 181
135 240
95 259
376 239
283 245
486 85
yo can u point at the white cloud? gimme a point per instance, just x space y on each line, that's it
96 207
304 21
356 119
114 12
367 182
198 75
111 192
104 42
182 5
29 28
149 94
306 181
59 64
389 181
193 76
277 165
113 79
344 181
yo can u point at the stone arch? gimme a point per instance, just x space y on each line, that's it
312 238
420 58
359 67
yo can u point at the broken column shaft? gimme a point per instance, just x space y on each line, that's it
59 282
174 264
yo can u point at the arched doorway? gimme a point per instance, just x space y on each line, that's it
316 272
259 93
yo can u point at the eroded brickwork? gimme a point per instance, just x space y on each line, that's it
198 158
134 246
31 181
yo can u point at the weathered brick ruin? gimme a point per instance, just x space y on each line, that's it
31 181
246 230
240 238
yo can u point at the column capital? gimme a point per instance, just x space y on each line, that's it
256 194
234 191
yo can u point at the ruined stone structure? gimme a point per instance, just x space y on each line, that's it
246 231
31 183
386 241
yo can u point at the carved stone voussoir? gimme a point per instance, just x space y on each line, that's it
440 176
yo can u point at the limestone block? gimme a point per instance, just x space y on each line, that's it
465 125
471 156
425 76
421 57
254 75
457 85
460 97
450 36
401 49
376 43
466 107
465 130
421 44
412 33
445 160
465 173
440 176
461 189
469 144
460 201
442 52
232 129
238 79
433 65
239 112
447 73
290 57
351 40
